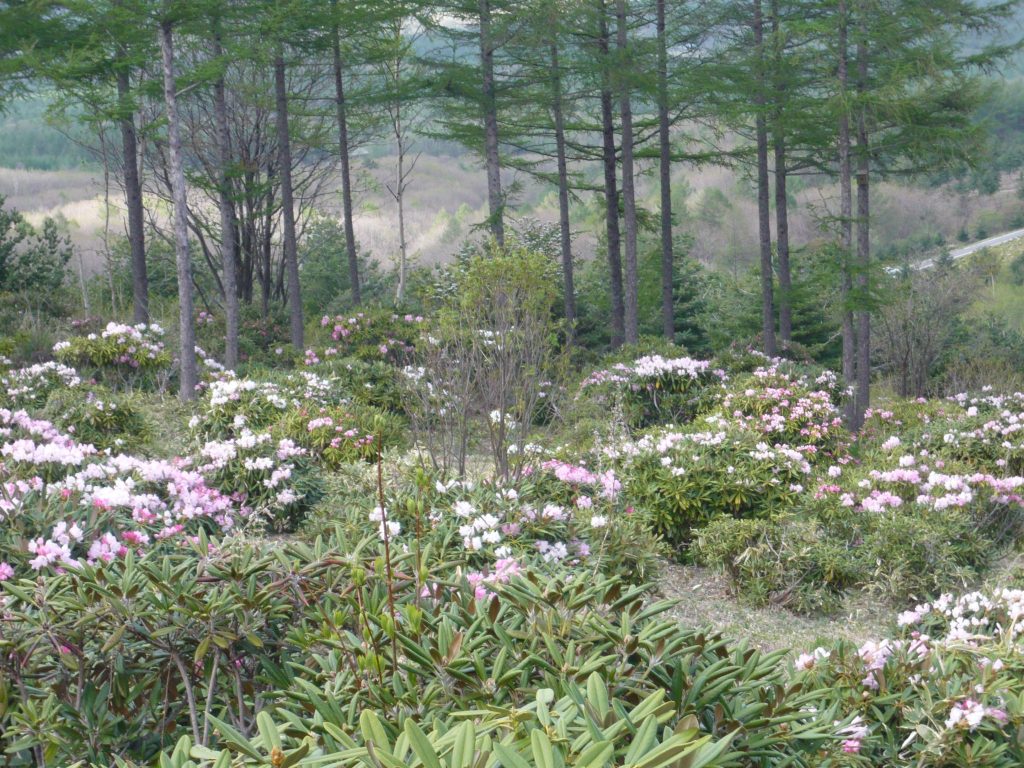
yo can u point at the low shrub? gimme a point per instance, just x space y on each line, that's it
377 335
273 479
30 387
652 389
684 479
375 383
948 692
342 434
904 533
121 356
797 410
231 404
99 417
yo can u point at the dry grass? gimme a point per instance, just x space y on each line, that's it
704 599
443 187
31 191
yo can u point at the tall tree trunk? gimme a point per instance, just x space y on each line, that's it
665 179
346 178
400 148
764 232
611 193
781 202
568 284
188 373
632 298
403 245
495 202
291 256
846 221
863 231
227 212
133 201
266 271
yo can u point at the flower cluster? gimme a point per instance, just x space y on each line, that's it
264 474
792 409
952 681
107 508
232 404
35 447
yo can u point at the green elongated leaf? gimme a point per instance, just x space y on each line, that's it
543 752
339 735
643 740
372 730
235 739
16 591
114 639
597 695
465 745
268 730
202 649
293 757
596 755
421 745
670 751
510 758
205 753
383 756
709 753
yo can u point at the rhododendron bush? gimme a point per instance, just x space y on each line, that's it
121 356
948 691
62 504
685 478
652 389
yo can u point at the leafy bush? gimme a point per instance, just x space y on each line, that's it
98 417
272 478
684 479
653 389
375 383
31 387
373 335
948 692
121 356
906 532
231 404
787 407
342 434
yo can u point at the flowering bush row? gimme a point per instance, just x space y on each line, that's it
917 527
98 510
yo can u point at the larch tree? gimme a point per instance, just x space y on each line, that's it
188 375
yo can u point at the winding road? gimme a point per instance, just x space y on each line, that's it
967 250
